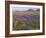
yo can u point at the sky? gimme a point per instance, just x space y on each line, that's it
23 8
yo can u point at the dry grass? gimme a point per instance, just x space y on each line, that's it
28 12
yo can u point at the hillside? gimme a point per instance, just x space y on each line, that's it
26 22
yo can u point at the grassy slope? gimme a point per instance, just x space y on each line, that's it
28 12
18 25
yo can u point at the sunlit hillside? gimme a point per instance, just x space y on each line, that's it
27 12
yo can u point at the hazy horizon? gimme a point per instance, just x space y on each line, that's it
23 8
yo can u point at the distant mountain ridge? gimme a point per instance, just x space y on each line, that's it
30 10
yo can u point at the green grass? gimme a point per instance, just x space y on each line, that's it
25 25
